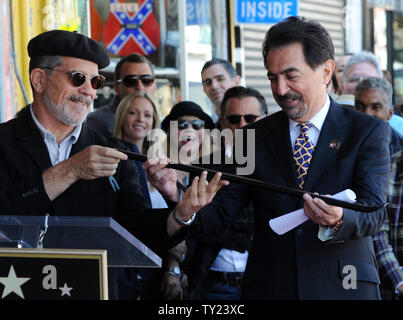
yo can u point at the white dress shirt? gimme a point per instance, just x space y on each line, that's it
230 260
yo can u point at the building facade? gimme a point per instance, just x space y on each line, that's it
179 36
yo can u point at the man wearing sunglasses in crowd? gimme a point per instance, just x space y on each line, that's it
241 106
132 73
53 163
215 265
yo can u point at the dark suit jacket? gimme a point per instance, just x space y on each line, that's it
24 157
298 264
102 120
202 249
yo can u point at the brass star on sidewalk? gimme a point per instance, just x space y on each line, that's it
12 284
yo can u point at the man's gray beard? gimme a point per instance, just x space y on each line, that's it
63 111
295 116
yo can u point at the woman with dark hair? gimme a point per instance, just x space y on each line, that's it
188 140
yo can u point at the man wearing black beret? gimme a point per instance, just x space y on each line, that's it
51 162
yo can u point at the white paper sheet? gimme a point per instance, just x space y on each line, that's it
289 221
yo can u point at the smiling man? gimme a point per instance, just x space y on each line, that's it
218 76
296 148
291 81
52 163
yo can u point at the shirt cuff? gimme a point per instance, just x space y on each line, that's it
397 286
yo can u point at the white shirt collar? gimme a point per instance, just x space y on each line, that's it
73 136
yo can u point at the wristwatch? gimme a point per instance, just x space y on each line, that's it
181 222
175 271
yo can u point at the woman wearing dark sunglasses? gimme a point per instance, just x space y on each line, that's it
190 120
191 142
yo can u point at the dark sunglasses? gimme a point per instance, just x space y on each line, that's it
236 118
196 124
131 80
78 78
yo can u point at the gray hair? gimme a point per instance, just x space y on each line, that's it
362 57
375 83
45 62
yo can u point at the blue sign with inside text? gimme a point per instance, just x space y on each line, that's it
197 12
265 11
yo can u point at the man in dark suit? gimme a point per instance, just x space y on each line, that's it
52 163
330 256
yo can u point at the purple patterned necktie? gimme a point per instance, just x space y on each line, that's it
303 151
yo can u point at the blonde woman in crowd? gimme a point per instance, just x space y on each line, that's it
135 117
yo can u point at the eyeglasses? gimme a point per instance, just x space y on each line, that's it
131 80
78 78
196 124
236 118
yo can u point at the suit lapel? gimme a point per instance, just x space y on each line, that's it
279 143
332 136
31 139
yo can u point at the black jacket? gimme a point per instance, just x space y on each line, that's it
23 159
297 264
203 248
102 120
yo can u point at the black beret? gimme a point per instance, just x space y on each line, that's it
187 108
68 44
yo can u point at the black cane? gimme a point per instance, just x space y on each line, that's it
258 184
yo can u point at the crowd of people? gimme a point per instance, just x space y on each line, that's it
337 130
